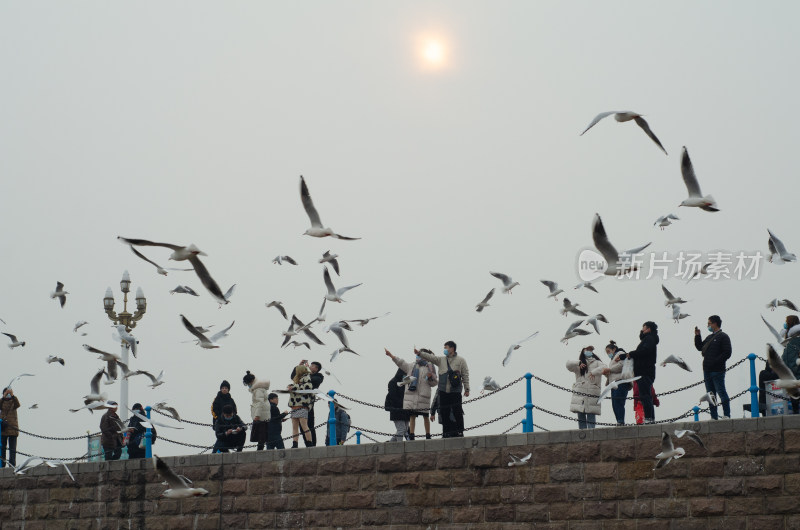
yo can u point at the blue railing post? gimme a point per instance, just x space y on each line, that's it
332 420
148 437
527 424
696 410
358 437
754 409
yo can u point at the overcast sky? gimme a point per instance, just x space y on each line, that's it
191 123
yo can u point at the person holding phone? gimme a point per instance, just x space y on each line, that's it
613 373
588 370
453 379
8 413
716 349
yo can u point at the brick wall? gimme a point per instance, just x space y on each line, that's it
749 478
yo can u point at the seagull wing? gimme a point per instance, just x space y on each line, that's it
308 204
142 256
574 325
605 392
223 333
189 290
693 436
788 304
676 311
279 307
342 290
597 119
689 178
206 279
593 322
646 128
666 443
188 325
229 292
601 241
778 365
772 330
637 249
579 313
94 384
17 378
502 277
289 259
92 349
667 293
507 358
308 333
328 283
529 337
146 243
488 297
776 243
173 480
335 265
553 286
339 332
12 337
148 420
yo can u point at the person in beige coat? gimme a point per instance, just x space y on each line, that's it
259 409
619 395
417 397
451 367
588 370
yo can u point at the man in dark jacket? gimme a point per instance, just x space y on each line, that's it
110 437
230 431
716 349
644 365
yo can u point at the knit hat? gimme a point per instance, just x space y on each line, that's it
225 383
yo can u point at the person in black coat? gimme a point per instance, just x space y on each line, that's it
230 431
274 439
136 432
767 374
716 349
223 398
644 365
394 404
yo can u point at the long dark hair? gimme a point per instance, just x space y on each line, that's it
582 360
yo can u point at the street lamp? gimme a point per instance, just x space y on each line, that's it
129 321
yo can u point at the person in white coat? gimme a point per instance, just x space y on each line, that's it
417 397
259 409
619 396
588 370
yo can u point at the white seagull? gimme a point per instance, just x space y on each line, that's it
594 319
364 321
159 269
618 263
777 248
781 340
693 436
279 306
331 258
516 346
668 451
94 387
102 355
627 115
179 253
485 302
574 331
79 325
775 303
676 313
516 461
34 406
613 386
184 289
696 198
60 293
145 420
710 398
162 406
407 380
569 307
127 338
280 259
17 378
299 344
178 488
666 220
554 290
671 298
202 340
14 342
155 381
338 330
316 230
786 378
54 359
333 294
489 384
702 271
508 282
674 359
588 285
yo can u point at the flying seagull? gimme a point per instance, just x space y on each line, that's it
702 271
279 306
484 302
316 230
299 344
594 319
668 451
627 115
776 247
159 269
60 293
676 313
775 333
574 331
79 325
696 197
338 330
516 346
333 294
693 436
489 384
569 307
364 321
710 398
671 298
775 303
34 406
280 259
184 289
614 385
331 258
17 378
587 285
554 290
617 263
674 359
94 389
155 381
296 327
179 253
54 359
162 406
666 220
153 422
203 341
408 380
508 282
127 338
516 461
14 342
103 355
786 378
178 488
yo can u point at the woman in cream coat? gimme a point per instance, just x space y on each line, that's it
259 408
588 370
417 397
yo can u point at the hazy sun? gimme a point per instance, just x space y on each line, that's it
433 52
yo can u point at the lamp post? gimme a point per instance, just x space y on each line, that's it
129 321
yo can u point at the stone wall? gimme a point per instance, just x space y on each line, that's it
749 478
